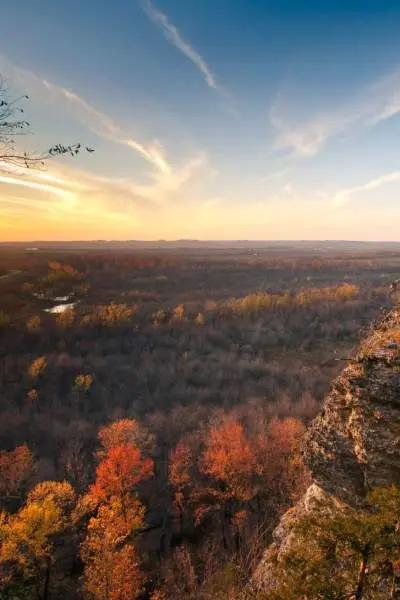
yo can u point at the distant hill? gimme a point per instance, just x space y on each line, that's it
305 245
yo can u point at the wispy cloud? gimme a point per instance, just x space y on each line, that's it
173 34
308 138
34 185
386 93
344 196
378 102
162 184
58 191
73 199
97 121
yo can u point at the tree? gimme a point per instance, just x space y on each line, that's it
65 320
178 312
16 468
120 472
33 324
350 554
200 319
240 481
117 433
110 315
180 477
121 432
37 367
13 125
27 551
229 459
229 465
179 574
111 561
60 492
281 472
112 566
82 385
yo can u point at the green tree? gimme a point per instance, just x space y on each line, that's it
349 555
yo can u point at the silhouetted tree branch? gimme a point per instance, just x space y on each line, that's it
13 124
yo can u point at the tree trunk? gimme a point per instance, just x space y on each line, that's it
165 537
38 581
224 540
395 589
46 586
362 574
237 540
180 510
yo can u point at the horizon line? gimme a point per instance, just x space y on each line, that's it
199 241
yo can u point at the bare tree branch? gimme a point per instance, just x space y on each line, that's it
12 125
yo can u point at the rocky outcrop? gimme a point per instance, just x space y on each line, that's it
353 446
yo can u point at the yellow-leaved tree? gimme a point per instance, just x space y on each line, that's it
112 565
27 540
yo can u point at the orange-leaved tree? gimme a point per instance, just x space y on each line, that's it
239 479
229 459
228 467
16 467
119 474
112 565
281 472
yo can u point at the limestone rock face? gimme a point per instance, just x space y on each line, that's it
354 444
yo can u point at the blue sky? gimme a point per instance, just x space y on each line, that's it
210 119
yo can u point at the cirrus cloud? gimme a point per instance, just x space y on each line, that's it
377 102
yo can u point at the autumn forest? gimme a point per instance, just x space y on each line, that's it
153 404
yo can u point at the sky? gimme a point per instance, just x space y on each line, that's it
210 119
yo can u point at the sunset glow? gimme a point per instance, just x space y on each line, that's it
189 142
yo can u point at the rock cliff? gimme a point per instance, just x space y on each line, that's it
354 444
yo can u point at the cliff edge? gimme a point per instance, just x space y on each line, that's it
353 445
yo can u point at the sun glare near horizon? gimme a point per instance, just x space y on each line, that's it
203 128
